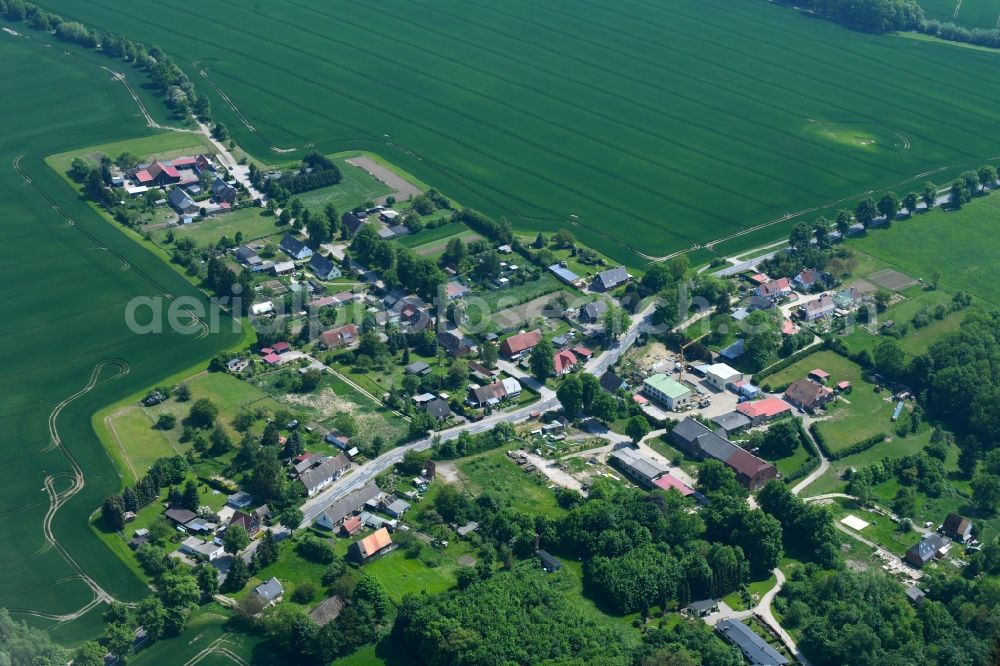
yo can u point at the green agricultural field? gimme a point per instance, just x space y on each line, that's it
566 118
68 276
968 13
962 244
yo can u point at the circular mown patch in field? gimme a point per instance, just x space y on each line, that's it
861 135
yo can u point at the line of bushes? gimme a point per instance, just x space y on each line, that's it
807 467
785 362
813 461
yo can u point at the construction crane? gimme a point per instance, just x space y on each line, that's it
684 352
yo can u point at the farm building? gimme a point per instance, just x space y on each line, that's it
754 648
667 482
549 563
181 201
720 375
700 442
667 391
641 468
760 411
564 274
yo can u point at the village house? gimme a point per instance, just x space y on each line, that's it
455 290
295 248
239 500
179 516
807 279
563 362
248 257
807 395
352 223
269 592
248 521
925 550
336 338
456 344
324 268
610 279
818 308
316 478
282 268
203 551
181 201
612 383
373 545
733 351
593 313
438 410
237 365
418 368
223 192
486 396
397 507
338 512
667 391
481 373
775 289
957 527
517 345
697 440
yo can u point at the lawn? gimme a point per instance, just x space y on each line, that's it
792 463
207 628
355 189
495 473
881 530
254 223
498 299
435 248
69 275
961 248
563 119
427 237
858 415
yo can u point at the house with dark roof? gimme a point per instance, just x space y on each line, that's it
455 342
328 611
610 279
957 527
611 382
925 550
367 549
338 512
248 257
324 268
516 345
316 478
438 410
754 648
549 563
481 373
352 223
222 191
808 396
342 336
732 422
295 248
489 395
697 440
593 313
179 515
702 608
641 468
248 521
418 368
181 201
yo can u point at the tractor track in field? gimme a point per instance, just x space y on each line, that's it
59 498
216 647
120 77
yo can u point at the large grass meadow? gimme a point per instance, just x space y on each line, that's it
67 276
644 126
